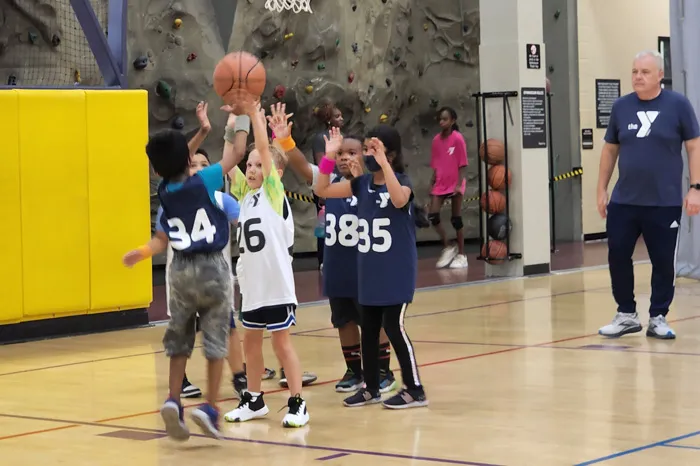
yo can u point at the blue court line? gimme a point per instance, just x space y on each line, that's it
680 446
638 449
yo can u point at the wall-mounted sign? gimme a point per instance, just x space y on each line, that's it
534 59
587 138
607 91
534 115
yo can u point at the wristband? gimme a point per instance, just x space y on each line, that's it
230 135
287 143
326 166
242 123
145 251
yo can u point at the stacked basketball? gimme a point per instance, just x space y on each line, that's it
493 201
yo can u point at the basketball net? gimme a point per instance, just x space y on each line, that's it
297 6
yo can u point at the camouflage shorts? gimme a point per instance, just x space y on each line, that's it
199 284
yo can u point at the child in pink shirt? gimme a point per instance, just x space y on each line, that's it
448 160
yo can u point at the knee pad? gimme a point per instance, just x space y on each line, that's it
434 219
457 223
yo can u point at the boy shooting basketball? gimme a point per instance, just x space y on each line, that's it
200 276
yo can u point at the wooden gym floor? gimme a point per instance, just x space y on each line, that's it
514 370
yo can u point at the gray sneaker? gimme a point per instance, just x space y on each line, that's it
658 328
622 324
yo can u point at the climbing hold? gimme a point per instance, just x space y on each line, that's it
294 63
412 99
178 122
351 77
383 118
337 42
397 58
370 89
140 63
76 77
263 54
55 40
434 103
388 82
425 26
354 7
458 55
163 89
192 56
288 36
321 66
315 110
383 1
355 47
424 131
368 109
279 92
177 23
420 72
404 64
32 37
410 38
309 89
469 124
12 80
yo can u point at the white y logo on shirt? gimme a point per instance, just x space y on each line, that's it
383 200
646 119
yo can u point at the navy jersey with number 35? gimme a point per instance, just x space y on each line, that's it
387 256
193 221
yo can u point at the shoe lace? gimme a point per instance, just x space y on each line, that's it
245 399
294 404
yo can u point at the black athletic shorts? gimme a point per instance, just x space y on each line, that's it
344 311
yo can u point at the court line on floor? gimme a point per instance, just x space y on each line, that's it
347 451
638 449
679 446
305 332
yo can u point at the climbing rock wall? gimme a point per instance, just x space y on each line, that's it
398 60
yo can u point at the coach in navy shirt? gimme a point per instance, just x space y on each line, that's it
645 136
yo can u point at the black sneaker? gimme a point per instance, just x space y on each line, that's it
240 384
407 399
189 390
248 409
387 381
349 383
307 378
363 397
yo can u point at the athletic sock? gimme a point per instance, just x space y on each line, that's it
384 357
353 358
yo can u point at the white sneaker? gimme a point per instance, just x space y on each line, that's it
459 262
298 415
622 324
658 328
446 257
248 409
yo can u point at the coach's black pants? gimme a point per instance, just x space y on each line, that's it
659 226
391 317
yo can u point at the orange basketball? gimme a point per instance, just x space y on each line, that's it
497 251
497 151
497 202
239 71
497 177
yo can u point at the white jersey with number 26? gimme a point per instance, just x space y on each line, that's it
265 239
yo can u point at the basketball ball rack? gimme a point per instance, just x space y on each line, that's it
482 131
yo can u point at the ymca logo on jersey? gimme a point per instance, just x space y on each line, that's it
383 200
255 198
351 200
646 119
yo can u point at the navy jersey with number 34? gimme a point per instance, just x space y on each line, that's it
193 221
387 256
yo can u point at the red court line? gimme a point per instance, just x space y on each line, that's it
42 431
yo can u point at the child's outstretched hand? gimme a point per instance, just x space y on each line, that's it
334 142
279 122
355 168
202 116
131 258
243 103
376 148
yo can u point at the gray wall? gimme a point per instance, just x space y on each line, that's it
561 42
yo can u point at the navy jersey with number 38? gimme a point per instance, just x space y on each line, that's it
387 256
193 221
340 250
